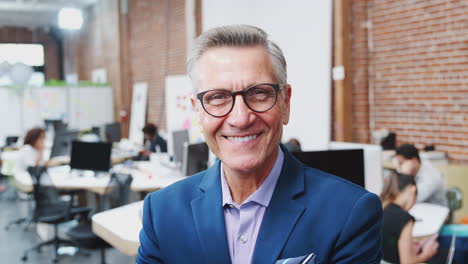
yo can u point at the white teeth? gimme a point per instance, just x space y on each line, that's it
242 139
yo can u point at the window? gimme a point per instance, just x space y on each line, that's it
29 54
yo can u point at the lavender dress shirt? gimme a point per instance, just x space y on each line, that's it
243 221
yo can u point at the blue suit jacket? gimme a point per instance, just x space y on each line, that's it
310 212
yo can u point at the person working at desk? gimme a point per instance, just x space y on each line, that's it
257 203
153 140
429 181
398 197
32 151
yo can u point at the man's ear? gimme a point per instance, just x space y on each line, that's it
286 101
193 101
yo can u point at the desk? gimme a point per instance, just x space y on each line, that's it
152 176
429 218
147 177
121 232
62 179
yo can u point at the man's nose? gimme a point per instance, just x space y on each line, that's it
240 115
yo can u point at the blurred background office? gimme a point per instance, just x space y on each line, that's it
367 76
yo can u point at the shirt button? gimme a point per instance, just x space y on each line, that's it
243 239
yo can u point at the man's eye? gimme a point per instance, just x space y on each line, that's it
217 98
260 93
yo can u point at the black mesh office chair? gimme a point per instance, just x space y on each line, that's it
50 209
117 192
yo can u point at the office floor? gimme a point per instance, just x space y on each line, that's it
19 237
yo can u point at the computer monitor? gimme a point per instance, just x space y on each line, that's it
347 164
94 156
62 143
195 158
97 131
373 168
112 132
56 124
179 137
11 140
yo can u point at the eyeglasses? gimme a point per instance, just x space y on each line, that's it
258 98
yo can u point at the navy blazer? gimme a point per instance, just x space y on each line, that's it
310 212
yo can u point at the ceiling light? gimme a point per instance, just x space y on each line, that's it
70 18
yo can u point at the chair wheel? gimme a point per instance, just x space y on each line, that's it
24 258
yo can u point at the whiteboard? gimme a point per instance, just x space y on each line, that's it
179 111
10 114
138 118
90 106
44 103
303 30
81 107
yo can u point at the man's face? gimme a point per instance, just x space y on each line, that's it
148 136
244 140
407 166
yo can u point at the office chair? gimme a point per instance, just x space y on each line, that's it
454 199
117 192
13 193
49 209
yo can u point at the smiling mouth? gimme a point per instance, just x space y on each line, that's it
242 139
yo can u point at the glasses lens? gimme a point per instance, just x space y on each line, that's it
260 98
217 102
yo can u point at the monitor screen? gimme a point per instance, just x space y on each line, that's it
95 156
195 158
11 140
112 132
62 143
56 124
179 137
347 164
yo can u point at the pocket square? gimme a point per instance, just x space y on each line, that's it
306 259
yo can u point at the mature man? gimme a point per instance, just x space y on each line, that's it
257 203
428 180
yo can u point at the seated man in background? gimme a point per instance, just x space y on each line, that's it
293 145
153 139
429 181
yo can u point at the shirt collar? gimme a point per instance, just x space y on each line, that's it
264 193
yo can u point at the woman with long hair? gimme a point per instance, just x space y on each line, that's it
399 246
32 151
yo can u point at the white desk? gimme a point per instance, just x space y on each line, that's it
152 176
61 178
147 177
429 218
121 232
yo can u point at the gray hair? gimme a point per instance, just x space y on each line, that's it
237 36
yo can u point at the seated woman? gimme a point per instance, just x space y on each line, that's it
399 246
32 151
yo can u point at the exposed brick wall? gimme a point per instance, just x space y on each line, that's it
156 48
418 71
144 45
37 36
96 46
359 70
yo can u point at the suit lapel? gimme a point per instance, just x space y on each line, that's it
208 216
282 213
